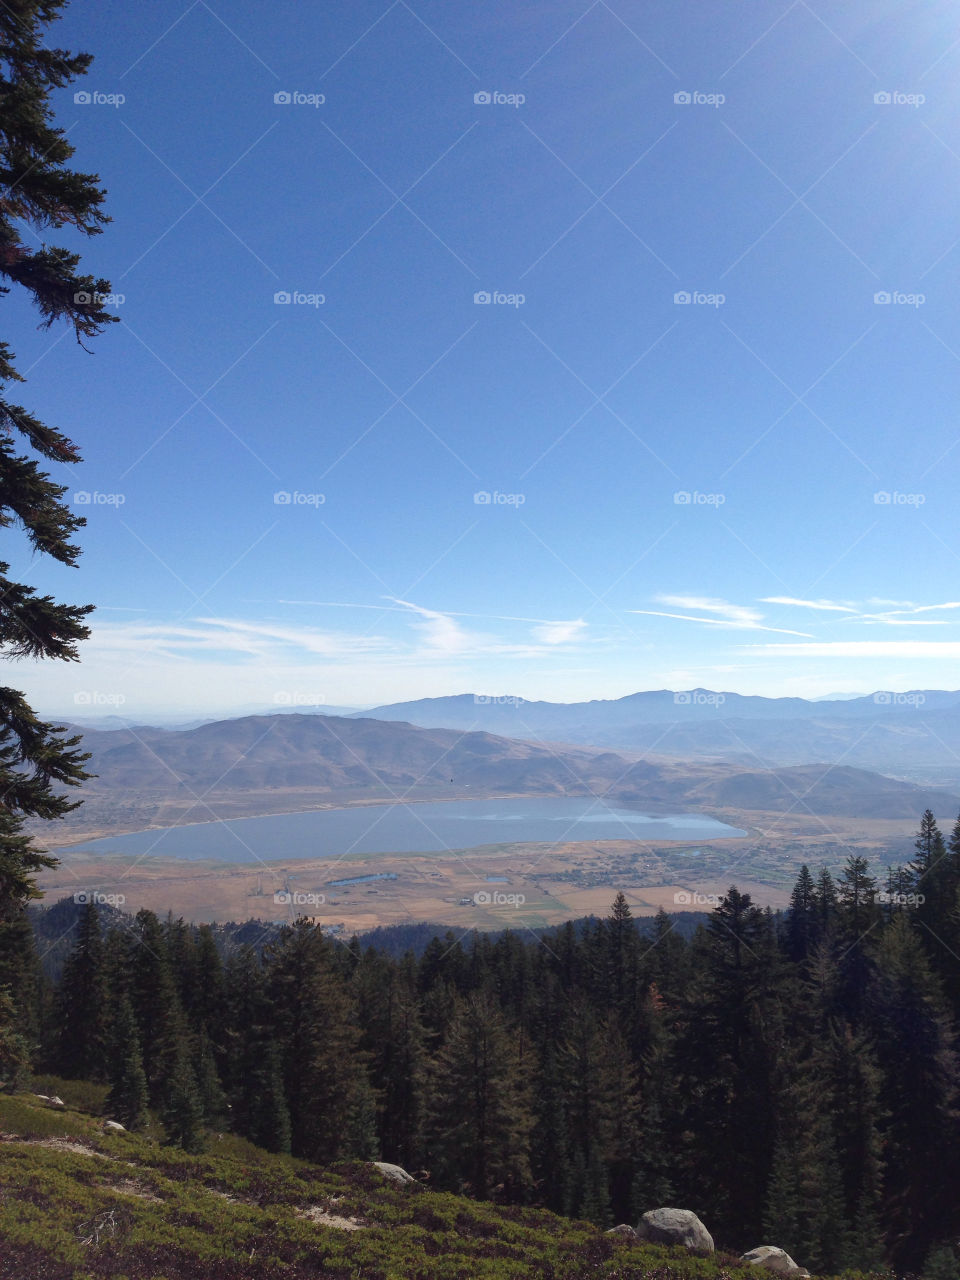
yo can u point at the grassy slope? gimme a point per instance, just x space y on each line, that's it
231 1214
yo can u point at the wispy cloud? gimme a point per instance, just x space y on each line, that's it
559 632
827 606
441 630
733 617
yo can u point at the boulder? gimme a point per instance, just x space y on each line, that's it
55 1101
115 1125
675 1226
774 1259
393 1171
623 1229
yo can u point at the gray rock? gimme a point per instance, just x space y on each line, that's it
675 1226
115 1125
773 1259
623 1229
55 1101
393 1171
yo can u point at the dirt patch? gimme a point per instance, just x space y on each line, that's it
319 1214
55 1144
128 1187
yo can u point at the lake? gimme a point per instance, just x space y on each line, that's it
409 828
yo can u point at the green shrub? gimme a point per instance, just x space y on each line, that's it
81 1095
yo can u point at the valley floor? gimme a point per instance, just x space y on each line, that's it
519 884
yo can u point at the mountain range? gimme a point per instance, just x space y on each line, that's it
281 763
913 735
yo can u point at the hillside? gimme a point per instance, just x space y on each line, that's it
915 734
78 1202
285 763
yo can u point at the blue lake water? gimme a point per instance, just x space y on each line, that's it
409 828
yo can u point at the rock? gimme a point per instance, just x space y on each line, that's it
115 1125
55 1101
774 1259
623 1229
393 1171
42 1096
675 1226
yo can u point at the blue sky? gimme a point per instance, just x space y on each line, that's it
750 490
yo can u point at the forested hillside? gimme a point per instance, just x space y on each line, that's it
793 1080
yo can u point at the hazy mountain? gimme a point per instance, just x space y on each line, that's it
183 721
915 734
281 763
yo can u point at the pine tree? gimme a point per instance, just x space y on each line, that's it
729 1049
21 976
899 888
853 1083
320 1042
127 1100
481 1114
181 1109
155 1003
84 1003
620 936
914 1040
802 931
859 916
826 903
360 1140
588 1114
930 853
268 1123
40 194
805 1208
655 1160
14 1048
550 1148
213 1102
398 1065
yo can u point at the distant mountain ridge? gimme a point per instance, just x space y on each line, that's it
914 734
657 706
